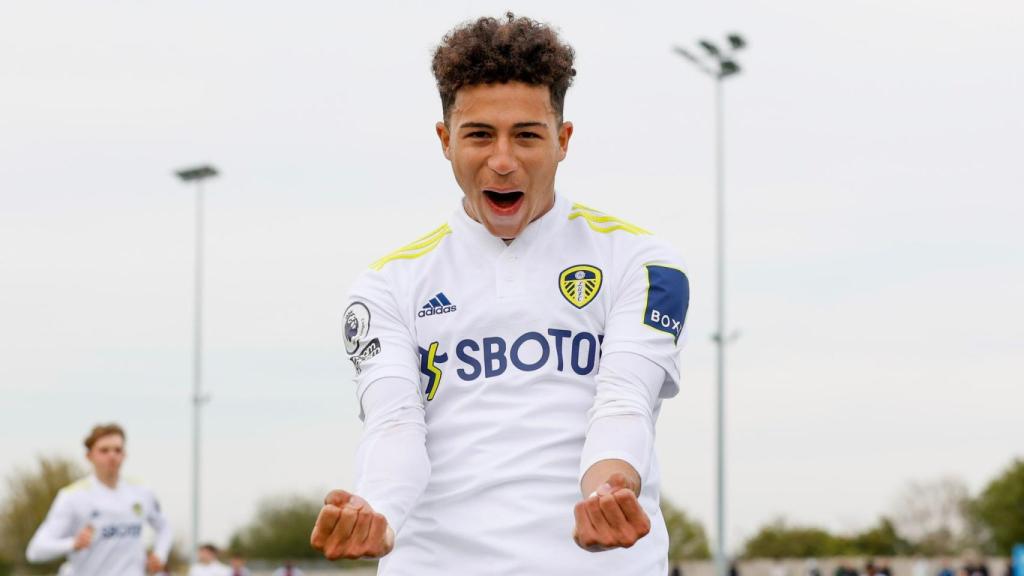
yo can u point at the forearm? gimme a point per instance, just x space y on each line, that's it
392 467
620 431
44 547
164 540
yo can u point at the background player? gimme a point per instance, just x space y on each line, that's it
97 521
208 563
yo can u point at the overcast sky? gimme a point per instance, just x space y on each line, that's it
875 256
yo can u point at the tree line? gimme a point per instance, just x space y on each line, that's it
935 518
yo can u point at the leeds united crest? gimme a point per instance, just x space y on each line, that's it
580 284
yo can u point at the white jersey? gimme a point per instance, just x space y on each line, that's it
214 568
506 341
117 517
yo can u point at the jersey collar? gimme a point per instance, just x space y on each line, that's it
96 482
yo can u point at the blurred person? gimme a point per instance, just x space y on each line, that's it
921 567
97 521
288 569
777 568
676 571
975 567
811 566
208 563
884 569
238 567
511 365
947 568
734 569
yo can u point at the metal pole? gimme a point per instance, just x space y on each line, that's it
197 365
720 562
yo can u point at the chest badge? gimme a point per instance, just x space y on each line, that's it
580 284
137 509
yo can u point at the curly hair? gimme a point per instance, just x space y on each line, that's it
490 51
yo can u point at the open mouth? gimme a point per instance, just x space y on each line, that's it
504 201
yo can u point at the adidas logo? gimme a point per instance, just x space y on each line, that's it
437 305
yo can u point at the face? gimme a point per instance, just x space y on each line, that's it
504 142
206 555
106 455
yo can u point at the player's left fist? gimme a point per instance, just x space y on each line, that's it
153 564
347 527
611 517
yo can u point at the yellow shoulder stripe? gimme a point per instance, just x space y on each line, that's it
416 249
601 222
77 484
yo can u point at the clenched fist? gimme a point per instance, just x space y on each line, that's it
153 564
611 517
84 538
347 527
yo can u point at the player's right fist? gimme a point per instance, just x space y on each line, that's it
347 527
84 538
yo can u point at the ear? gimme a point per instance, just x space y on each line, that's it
444 136
564 134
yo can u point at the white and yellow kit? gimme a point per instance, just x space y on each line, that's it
492 375
117 517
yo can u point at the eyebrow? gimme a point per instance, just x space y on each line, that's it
533 124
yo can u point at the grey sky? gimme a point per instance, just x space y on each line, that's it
874 196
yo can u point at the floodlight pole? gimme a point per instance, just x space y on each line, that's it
720 341
198 175
719 65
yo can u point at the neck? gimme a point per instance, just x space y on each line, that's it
110 481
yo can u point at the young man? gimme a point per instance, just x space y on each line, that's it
97 521
208 563
237 563
511 364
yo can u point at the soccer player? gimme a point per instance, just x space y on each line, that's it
208 563
511 364
97 521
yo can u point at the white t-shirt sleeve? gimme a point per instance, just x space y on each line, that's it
164 535
55 536
648 316
379 343
620 424
645 331
392 466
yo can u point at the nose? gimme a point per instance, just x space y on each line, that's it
502 160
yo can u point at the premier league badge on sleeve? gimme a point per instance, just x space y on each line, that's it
357 326
580 284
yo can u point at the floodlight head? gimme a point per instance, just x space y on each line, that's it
710 48
685 54
736 41
729 67
196 173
